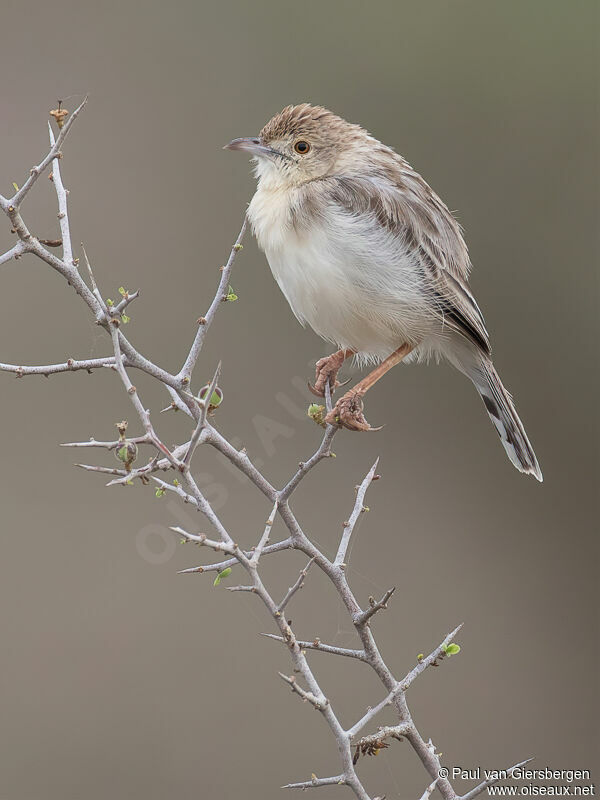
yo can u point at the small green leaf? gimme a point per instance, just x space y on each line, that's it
109 302
231 295
452 649
160 491
421 656
175 482
223 574
238 247
125 319
123 453
16 187
122 291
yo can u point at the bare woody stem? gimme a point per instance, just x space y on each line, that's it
205 322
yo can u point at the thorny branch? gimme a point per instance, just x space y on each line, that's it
126 356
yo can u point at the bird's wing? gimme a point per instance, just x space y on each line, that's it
411 211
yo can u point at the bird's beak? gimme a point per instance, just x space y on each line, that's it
250 145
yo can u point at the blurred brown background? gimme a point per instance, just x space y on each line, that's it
122 679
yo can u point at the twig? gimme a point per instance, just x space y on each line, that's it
35 172
70 365
133 396
104 313
383 733
356 512
318 702
108 445
156 464
128 298
202 420
298 585
202 539
315 783
63 214
264 539
371 713
429 660
427 793
324 451
17 250
277 547
324 648
206 321
105 470
365 616
198 500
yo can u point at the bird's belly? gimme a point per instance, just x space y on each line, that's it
344 300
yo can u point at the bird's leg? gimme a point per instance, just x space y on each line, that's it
347 412
326 371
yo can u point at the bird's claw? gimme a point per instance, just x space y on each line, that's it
319 389
348 413
326 370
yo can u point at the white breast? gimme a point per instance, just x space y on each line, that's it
351 282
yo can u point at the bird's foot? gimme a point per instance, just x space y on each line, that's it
348 413
326 370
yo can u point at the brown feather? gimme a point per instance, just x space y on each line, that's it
435 240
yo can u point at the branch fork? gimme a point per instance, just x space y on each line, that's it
318 702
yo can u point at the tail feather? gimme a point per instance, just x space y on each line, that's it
502 413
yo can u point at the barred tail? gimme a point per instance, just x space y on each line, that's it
501 410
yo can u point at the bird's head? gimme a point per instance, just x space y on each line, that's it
303 143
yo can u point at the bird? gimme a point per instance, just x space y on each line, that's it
370 257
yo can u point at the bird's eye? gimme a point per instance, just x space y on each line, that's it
302 147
